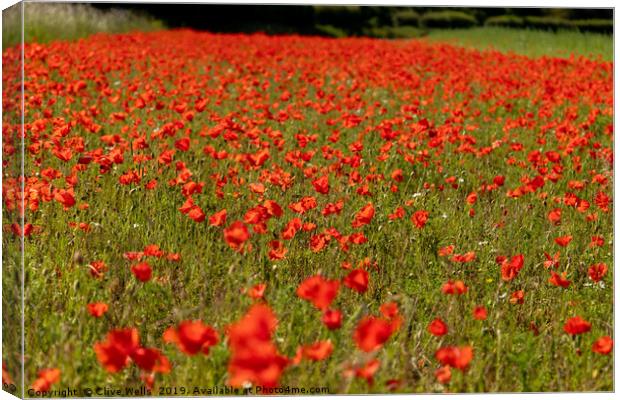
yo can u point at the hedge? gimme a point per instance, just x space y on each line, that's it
548 23
594 25
447 19
331 31
506 21
406 18
395 32
338 15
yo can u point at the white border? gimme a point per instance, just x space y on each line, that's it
480 3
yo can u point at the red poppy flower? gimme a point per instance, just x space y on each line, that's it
332 319
603 345
254 358
368 371
552 261
6 378
480 313
196 214
389 310
471 198
559 280
437 327
457 357
397 214
321 184
420 218
397 175
357 280
446 251
318 351
457 287
304 205
45 379
182 144
443 374
576 326
272 208
97 268
319 291
602 201
236 234
517 297
371 333
555 216
218 218
151 360
278 251
464 258
597 271
97 309
563 240
511 268
142 271
65 197
115 351
291 229
192 337
597 241
257 291
257 188
364 216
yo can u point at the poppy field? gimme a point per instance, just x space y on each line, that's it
339 215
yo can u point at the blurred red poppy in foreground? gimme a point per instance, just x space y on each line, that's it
457 357
372 332
254 358
192 337
319 291
46 378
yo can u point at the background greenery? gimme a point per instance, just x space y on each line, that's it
527 31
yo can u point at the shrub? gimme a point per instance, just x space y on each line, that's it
447 19
331 31
506 21
338 15
406 18
594 25
395 32
548 23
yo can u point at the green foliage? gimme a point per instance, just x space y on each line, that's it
548 23
507 21
448 19
338 15
331 31
594 25
395 32
406 18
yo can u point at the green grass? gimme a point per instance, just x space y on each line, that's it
44 22
529 42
